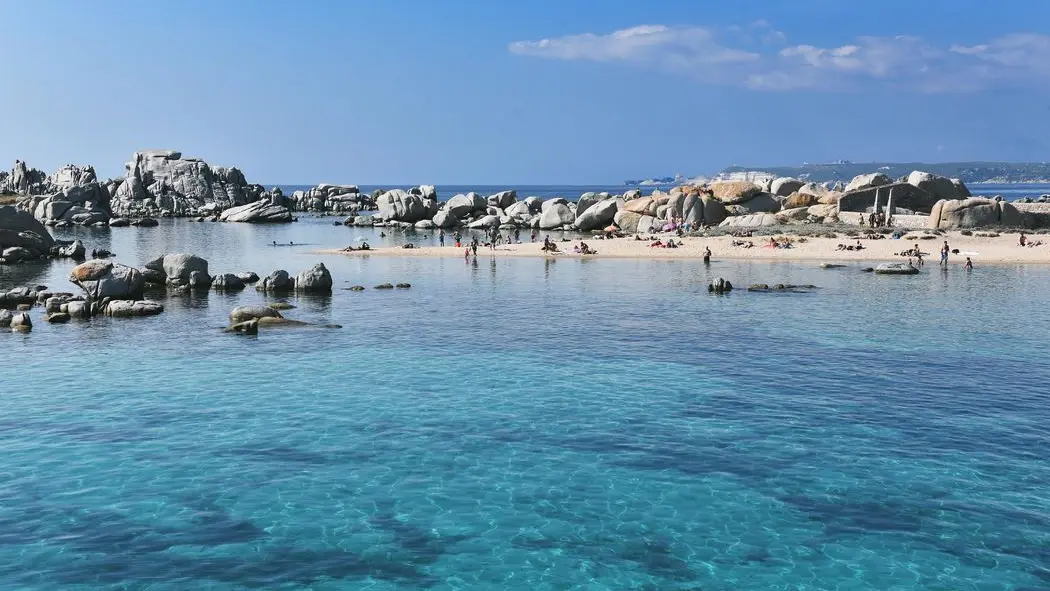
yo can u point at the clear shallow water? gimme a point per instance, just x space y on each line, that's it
531 424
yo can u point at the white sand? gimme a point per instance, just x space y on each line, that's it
1001 249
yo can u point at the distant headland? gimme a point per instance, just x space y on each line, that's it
844 170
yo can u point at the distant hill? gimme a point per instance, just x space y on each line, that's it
969 172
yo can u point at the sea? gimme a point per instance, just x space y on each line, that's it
528 423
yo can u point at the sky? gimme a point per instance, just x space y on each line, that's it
515 92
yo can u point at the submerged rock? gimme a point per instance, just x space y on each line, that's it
227 282
896 269
20 321
243 313
129 308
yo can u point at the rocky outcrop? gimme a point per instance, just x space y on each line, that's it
331 198
750 221
556 214
316 279
24 180
974 212
760 203
102 279
800 200
1036 215
181 269
733 192
938 186
503 199
596 216
402 206
587 200
259 212
162 182
462 206
867 181
702 210
20 229
784 186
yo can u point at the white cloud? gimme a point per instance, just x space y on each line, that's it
1020 59
676 49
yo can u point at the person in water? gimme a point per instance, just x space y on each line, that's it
441 238
707 254
969 264
944 254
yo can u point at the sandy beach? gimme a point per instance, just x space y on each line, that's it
1002 249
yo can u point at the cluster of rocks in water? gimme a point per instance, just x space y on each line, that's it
113 289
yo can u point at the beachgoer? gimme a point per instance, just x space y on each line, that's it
441 238
1024 239
944 254
517 235
707 255
533 237
466 252
474 247
969 264
275 243
918 255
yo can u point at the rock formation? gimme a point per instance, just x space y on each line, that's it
163 183
974 212
19 229
262 211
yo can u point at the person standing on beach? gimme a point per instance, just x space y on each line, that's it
441 238
944 254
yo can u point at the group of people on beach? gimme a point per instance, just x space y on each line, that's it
857 246
877 220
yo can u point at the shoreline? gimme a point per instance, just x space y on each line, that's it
1002 249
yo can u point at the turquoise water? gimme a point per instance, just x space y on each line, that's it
531 424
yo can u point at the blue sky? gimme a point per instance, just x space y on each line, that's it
473 91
